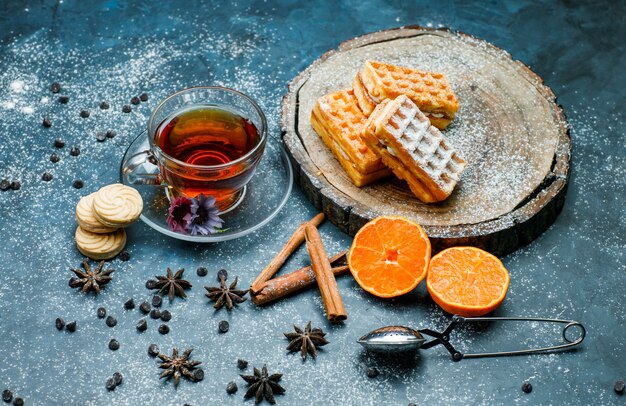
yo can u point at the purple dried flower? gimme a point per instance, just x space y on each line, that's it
204 217
178 214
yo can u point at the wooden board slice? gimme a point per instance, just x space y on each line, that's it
509 129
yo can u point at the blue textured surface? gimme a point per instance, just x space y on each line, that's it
115 50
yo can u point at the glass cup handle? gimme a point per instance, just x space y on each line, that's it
141 169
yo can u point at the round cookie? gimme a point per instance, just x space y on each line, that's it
117 205
100 246
86 218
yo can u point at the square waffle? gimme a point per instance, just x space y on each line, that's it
431 92
413 148
338 121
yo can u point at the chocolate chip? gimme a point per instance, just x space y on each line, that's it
54 158
64 99
153 350
100 136
16 185
164 329
198 374
75 151
372 372
142 325
150 284
71 326
166 315
111 321
619 387
104 105
129 304
18 402
145 307
118 378
114 345
202 271
231 387
101 312
155 314
223 326
111 134
527 387
59 323
59 143
126 109
222 273
46 122
46 177
7 395
242 363
135 100
84 113
56 87
143 97
78 184
124 256
110 384
411 404
157 301
5 185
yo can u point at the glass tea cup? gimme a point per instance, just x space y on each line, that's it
203 140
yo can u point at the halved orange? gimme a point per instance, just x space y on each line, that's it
389 256
467 281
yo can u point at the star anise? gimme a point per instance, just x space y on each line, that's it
306 341
262 385
91 280
172 284
223 295
177 366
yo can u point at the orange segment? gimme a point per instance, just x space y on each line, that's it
389 256
467 281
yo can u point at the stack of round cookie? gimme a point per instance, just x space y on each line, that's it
101 218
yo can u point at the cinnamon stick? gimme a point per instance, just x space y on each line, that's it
326 282
296 239
293 282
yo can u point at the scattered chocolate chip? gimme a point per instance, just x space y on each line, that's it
101 312
202 271
145 307
55 87
411 404
231 387
100 136
110 384
118 378
223 326
222 274
129 304
18 402
126 109
7 395
473 87
104 105
46 177
150 284
54 158
59 143
242 363
46 122
5 185
527 387
71 326
111 134
111 321
157 301
619 387
84 113
78 184
16 185
155 314
124 256
372 372
198 374
164 329
114 345
153 350
64 99
143 97
142 325
75 151
166 315
59 323
135 100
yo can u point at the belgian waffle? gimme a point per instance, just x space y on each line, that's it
413 148
431 92
338 121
